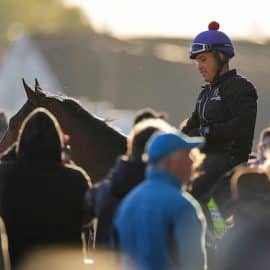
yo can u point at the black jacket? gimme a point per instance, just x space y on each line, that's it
103 198
229 108
41 200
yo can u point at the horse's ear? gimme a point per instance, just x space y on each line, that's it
37 85
38 89
30 93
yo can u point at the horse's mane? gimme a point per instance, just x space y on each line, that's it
74 107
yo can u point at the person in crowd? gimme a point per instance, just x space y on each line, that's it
103 198
41 199
222 190
248 250
250 193
148 113
223 210
9 154
225 110
263 147
246 244
158 225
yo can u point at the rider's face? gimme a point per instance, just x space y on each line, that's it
207 66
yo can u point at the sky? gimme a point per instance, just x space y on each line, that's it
178 18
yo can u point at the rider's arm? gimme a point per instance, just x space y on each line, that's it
192 126
241 100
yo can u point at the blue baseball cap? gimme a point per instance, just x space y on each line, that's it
162 144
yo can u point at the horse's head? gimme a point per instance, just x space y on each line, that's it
36 97
33 96
94 144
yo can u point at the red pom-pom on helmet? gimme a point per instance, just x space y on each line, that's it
213 25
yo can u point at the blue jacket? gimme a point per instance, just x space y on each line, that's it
159 226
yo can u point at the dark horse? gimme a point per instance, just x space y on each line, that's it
95 145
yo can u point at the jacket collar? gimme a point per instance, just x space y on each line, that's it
230 74
155 174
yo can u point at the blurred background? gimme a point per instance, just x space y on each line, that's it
118 56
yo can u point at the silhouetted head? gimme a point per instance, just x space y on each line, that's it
40 137
148 113
250 189
141 133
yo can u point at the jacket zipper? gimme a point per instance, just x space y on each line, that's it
207 97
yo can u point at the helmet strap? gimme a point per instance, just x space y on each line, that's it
220 63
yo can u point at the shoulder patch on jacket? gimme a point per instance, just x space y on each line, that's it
216 95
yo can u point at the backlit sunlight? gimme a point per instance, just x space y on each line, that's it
241 19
